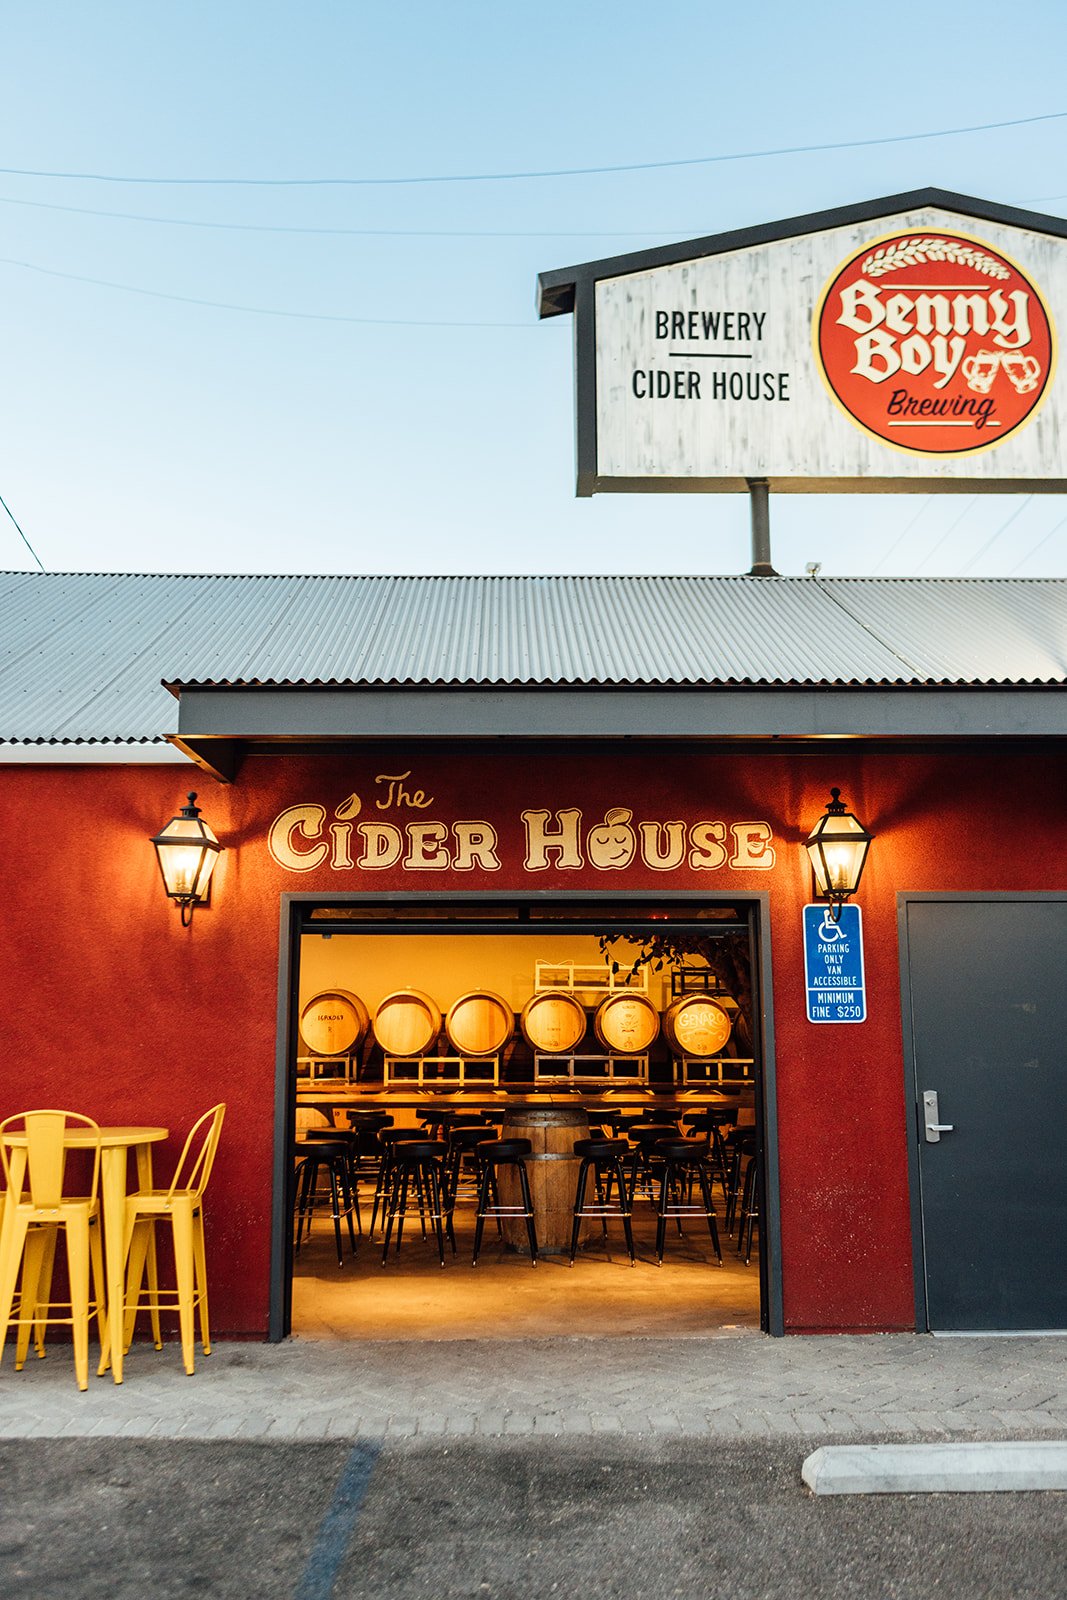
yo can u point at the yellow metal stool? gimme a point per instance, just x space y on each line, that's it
33 1148
182 1205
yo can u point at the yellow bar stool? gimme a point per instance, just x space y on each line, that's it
33 1153
44 1282
182 1205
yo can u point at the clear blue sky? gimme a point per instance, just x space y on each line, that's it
145 433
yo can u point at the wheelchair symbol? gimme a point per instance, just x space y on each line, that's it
830 931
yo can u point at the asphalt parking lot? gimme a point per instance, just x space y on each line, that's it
633 1518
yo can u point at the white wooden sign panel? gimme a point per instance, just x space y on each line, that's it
721 369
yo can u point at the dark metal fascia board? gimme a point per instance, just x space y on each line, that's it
599 713
556 289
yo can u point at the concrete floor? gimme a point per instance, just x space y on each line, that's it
689 1297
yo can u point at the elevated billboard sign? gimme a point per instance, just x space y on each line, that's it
906 344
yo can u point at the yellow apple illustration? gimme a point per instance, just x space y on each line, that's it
613 843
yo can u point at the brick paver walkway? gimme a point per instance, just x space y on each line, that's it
740 1386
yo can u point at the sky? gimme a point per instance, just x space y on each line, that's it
429 428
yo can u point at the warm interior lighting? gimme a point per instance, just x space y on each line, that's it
187 851
837 846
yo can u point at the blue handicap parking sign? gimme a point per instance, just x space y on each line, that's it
833 965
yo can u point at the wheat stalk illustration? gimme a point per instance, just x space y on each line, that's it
915 252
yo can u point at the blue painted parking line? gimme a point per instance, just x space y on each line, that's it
338 1525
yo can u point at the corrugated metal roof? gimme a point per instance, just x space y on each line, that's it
82 655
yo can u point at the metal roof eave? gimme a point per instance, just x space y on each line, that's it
557 289
214 723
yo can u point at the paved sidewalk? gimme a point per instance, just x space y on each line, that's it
745 1386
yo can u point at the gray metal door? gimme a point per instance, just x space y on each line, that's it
988 994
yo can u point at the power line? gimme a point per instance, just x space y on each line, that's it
258 311
552 172
21 535
1002 529
953 525
901 537
356 233
1038 546
377 233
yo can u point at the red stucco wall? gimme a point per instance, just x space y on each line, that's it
112 1008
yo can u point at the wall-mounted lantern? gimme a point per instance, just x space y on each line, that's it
187 851
838 846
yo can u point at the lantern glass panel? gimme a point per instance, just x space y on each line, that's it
838 854
186 857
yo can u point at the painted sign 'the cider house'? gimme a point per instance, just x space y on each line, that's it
307 836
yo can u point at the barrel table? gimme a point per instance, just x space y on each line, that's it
552 1168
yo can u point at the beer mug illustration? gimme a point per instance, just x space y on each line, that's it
980 370
1024 371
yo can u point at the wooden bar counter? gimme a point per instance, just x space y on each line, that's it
671 1099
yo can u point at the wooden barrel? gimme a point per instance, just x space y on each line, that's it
479 1024
333 1023
407 1023
696 1025
552 1168
627 1024
553 1023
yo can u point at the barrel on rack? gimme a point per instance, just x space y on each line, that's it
333 1023
479 1024
626 1024
696 1025
552 1168
407 1023
553 1022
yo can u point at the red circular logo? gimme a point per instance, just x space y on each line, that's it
935 343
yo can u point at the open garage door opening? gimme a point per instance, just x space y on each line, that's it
459 1079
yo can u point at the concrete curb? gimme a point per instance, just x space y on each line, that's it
981 1466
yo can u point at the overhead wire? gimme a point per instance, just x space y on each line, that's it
369 233
953 525
21 535
902 536
257 311
355 233
547 172
1038 546
990 542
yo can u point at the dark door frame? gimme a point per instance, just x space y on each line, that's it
912 1087
292 909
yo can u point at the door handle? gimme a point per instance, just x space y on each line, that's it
932 1128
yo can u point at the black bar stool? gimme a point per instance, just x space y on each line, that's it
749 1216
644 1160
503 1153
683 1159
436 1120
365 1124
602 1157
743 1159
417 1165
388 1140
463 1145
331 1157
350 1139
710 1122
742 1143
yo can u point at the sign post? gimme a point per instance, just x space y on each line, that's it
833 965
